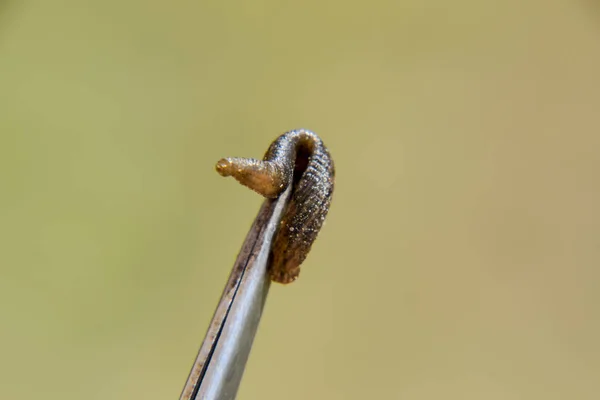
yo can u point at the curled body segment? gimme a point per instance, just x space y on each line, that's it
299 158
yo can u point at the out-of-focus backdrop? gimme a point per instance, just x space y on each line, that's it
460 258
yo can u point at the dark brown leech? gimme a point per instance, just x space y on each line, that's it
299 158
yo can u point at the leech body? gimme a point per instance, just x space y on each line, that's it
296 158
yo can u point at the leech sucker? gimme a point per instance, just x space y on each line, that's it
301 159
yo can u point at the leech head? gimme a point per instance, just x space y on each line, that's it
264 177
224 166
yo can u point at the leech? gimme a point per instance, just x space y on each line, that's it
297 158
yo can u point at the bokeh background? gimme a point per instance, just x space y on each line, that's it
460 258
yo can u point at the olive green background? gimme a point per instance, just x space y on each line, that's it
461 256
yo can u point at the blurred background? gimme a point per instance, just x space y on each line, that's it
460 257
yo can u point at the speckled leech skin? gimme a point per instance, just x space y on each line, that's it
299 158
